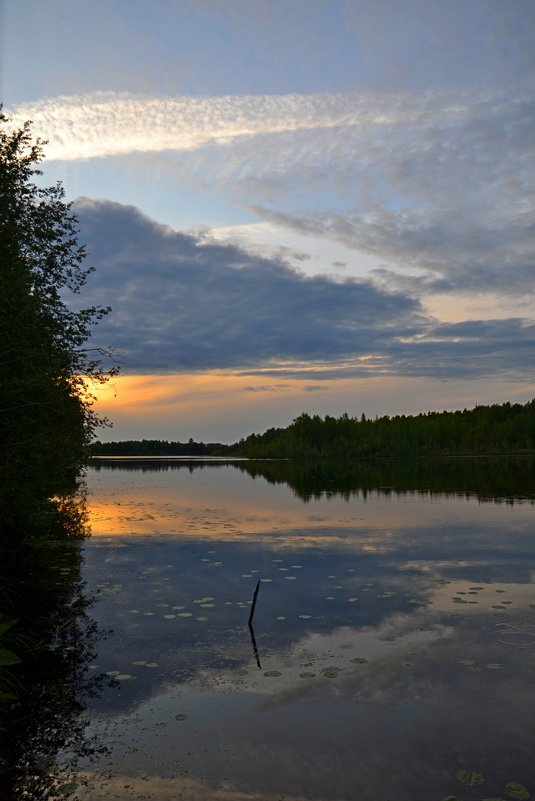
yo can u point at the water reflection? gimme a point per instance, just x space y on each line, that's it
487 478
44 697
395 630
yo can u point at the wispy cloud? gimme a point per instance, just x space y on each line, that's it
438 184
109 124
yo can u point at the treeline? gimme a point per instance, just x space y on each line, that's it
155 447
497 429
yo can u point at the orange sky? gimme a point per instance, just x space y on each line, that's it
223 407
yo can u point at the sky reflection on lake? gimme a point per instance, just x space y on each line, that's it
395 636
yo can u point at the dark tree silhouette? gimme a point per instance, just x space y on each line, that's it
46 370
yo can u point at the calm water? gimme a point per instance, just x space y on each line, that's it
393 646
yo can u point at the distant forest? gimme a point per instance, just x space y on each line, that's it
497 429
155 447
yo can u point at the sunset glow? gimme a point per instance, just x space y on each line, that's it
277 230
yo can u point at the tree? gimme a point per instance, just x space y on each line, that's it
46 373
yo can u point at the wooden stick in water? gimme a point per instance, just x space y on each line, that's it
255 596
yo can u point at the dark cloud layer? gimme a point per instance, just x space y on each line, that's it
184 303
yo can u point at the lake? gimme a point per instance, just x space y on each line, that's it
392 647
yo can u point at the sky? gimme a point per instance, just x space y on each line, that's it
291 205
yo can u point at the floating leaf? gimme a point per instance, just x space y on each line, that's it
181 716
67 789
470 777
306 675
272 673
331 672
516 790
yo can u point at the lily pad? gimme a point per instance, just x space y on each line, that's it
516 790
272 673
331 672
470 777
181 716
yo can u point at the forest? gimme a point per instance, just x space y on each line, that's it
155 447
485 430
496 429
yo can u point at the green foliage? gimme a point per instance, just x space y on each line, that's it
46 419
496 429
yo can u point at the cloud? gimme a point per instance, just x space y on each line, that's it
110 124
438 184
266 388
183 303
